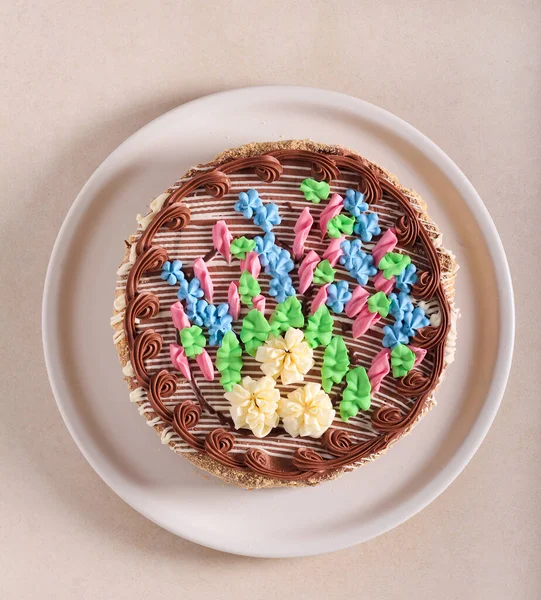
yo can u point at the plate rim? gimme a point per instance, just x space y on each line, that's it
506 319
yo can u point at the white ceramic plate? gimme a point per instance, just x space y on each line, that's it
86 377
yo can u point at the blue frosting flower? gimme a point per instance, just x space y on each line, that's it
247 203
218 330
359 264
400 305
337 295
266 216
214 313
351 259
218 320
209 315
407 278
365 268
279 262
281 286
196 312
367 226
414 320
265 246
354 203
191 292
394 335
172 272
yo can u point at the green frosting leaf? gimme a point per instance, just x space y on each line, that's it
402 359
255 331
286 315
229 361
335 363
249 288
339 225
241 246
319 328
348 409
393 264
324 273
193 341
356 396
315 191
379 303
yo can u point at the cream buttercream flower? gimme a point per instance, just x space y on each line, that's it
254 405
307 411
288 357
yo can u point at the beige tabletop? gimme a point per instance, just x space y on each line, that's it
76 78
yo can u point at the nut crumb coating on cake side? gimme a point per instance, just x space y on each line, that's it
214 452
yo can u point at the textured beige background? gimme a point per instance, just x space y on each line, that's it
78 77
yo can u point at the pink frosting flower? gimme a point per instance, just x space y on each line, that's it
384 285
221 239
387 243
379 368
233 299
180 360
320 298
306 270
200 270
180 320
333 209
204 363
259 303
364 321
357 301
302 229
251 263
334 251
420 353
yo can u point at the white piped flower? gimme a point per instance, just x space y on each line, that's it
254 405
307 411
288 357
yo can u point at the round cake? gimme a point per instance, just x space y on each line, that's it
284 313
